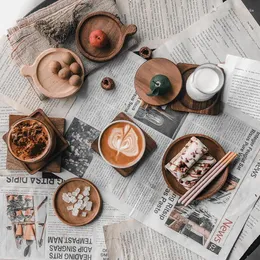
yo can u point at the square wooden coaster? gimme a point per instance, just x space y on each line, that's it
150 147
184 103
52 164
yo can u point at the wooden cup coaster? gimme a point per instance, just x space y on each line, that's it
60 206
48 83
215 149
114 29
150 146
184 103
151 68
50 164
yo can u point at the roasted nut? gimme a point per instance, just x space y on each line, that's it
107 83
75 80
64 73
55 66
75 68
67 58
146 53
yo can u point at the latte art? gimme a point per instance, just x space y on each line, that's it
124 140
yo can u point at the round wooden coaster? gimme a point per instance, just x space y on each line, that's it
60 206
113 28
50 84
215 149
152 68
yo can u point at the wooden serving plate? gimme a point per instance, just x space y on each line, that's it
152 68
185 104
111 25
60 206
150 147
49 84
215 150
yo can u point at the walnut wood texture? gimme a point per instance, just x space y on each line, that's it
51 164
185 104
152 68
48 83
114 29
150 147
215 149
60 206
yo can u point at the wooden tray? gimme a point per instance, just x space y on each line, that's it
152 68
111 25
60 206
150 146
185 104
215 150
52 164
49 84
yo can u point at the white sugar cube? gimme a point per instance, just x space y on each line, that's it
86 192
89 205
74 194
82 206
75 212
87 188
86 199
70 208
65 197
73 199
84 214
77 205
80 202
80 197
77 191
69 194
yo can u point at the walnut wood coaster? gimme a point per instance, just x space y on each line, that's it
48 83
215 149
51 164
185 104
152 68
150 147
60 206
114 29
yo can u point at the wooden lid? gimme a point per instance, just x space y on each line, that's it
152 68
113 28
60 206
215 149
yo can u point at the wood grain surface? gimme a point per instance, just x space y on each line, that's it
60 206
215 149
154 67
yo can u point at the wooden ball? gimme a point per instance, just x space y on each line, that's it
55 66
64 73
75 80
75 68
67 58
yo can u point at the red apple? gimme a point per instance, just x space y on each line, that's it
98 39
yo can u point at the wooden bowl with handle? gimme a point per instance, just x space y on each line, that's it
215 149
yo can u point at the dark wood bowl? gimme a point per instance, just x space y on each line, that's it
215 149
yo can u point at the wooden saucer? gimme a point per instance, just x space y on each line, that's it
60 206
109 24
152 68
49 84
215 150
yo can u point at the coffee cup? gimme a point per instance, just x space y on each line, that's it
122 144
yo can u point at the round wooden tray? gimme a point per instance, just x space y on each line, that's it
49 84
215 150
109 24
152 68
60 206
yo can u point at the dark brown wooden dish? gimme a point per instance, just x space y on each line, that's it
114 29
215 150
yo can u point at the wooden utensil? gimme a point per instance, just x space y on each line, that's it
60 206
152 68
114 29
215 150
49 83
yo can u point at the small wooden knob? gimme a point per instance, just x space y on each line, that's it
27 71
130 29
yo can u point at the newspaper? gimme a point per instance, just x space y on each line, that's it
55 240
158 20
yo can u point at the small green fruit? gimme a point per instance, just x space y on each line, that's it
159 86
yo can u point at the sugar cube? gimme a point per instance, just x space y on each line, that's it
82 206
65 197
73 199
80 202
87 188
89 205
80 197
77 191
86 192
74 194
84 214
69 194
86 199
75 212
70 207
